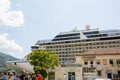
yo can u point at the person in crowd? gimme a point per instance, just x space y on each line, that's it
27 76
22 76
39 76
34 77
10 76
17 77
3 76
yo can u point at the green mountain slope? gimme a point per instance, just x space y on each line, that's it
4 58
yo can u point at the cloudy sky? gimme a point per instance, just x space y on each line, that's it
23 22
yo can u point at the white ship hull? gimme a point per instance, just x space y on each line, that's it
20 65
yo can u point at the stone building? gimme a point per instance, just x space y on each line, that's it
66 72
101 63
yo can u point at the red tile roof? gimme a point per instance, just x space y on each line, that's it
108 51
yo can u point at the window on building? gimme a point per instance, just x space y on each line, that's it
71 75
99 73
104 61
85 61
51 75
85 79
88 70
118 61
119 73
111 61
91 62
98 61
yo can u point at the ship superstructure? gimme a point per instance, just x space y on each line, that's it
68 44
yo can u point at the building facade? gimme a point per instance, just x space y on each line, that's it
101 63
94 64
66 72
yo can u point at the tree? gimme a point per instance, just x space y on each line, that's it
43 60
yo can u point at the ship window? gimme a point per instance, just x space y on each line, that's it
76 34
94 32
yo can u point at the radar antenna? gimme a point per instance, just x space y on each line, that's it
75 29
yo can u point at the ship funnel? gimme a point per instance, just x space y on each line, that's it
87 27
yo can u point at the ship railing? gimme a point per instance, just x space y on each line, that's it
46 40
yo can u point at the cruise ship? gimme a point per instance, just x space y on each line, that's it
69 44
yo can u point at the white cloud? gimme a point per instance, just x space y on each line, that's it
9 46
10 17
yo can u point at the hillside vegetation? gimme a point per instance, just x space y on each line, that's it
4 58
